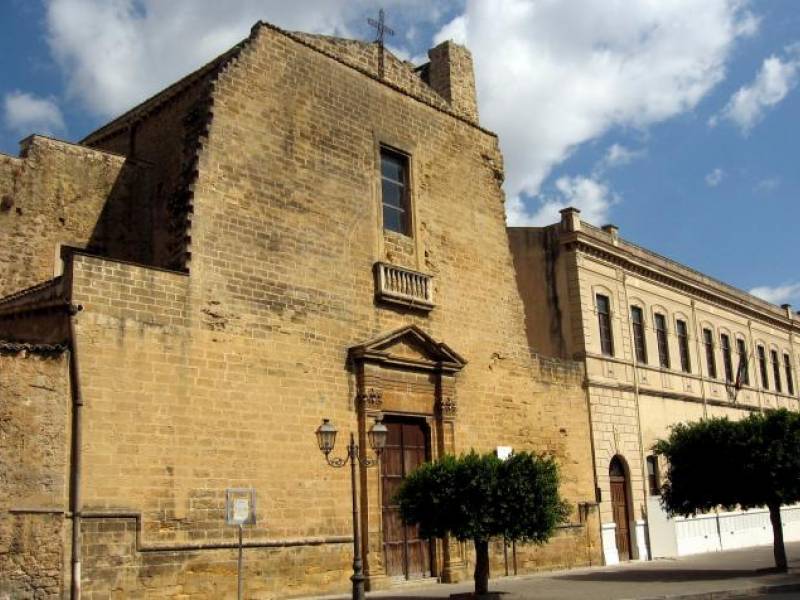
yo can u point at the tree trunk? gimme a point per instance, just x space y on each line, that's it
778 548
481 566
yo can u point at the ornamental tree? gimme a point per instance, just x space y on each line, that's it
478 497
749 463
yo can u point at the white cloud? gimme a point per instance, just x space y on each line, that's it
25 113
715 177
553 75
618 155
776 78
115 53
767 185
779 294
592 197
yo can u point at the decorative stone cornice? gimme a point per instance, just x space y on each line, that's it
674 275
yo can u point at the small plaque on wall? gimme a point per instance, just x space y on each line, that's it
240 506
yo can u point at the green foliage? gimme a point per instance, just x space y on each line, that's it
528 506
717 462
476 497
770 467
703 460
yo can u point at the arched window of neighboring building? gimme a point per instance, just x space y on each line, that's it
683 345
661 337
762 366
711 361
787 365
727 358
639 343
604 324
776 370
742 368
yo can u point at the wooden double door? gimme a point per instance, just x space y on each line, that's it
406 554
619 507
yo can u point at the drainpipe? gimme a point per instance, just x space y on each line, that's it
77 457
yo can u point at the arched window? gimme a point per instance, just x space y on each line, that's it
616 468
639 343
604 324
661 337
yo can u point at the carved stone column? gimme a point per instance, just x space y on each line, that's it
368 403
447 409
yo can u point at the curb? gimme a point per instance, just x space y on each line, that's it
731 594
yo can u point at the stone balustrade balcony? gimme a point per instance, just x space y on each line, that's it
399 285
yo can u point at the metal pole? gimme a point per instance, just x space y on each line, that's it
240 593
358 574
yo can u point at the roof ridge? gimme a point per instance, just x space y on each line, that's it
165 95
168 93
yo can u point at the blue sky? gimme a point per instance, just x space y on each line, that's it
676 120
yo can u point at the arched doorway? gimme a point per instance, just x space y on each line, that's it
617 475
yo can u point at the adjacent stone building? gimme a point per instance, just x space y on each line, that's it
661 343
287 234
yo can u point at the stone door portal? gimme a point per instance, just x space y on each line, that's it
619 507
406 553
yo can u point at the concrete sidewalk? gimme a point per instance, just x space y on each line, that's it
707 576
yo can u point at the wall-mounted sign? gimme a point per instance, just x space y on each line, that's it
240 506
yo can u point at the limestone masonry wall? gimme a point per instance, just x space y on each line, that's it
59 193
34 426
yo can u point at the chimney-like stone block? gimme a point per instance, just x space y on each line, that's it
570 219
451 75
613 231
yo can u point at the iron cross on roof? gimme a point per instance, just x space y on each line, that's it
382 30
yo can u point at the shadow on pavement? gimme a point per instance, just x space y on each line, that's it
663 575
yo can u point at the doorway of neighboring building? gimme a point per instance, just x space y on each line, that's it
406 554
619 506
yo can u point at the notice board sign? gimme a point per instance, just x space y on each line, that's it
240 506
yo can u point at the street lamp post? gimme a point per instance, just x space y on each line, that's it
326 438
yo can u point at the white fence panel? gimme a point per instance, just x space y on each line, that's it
697 534
724 531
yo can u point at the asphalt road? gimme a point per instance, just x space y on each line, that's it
736 571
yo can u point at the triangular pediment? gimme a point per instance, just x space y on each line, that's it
410 346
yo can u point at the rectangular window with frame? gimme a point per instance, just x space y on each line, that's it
776 370
727 358
762 365
683 345
787 367
743 369
653 481
395 192
711 360
637 320
604 322
661 338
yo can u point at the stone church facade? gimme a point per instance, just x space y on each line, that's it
285 235
661 344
